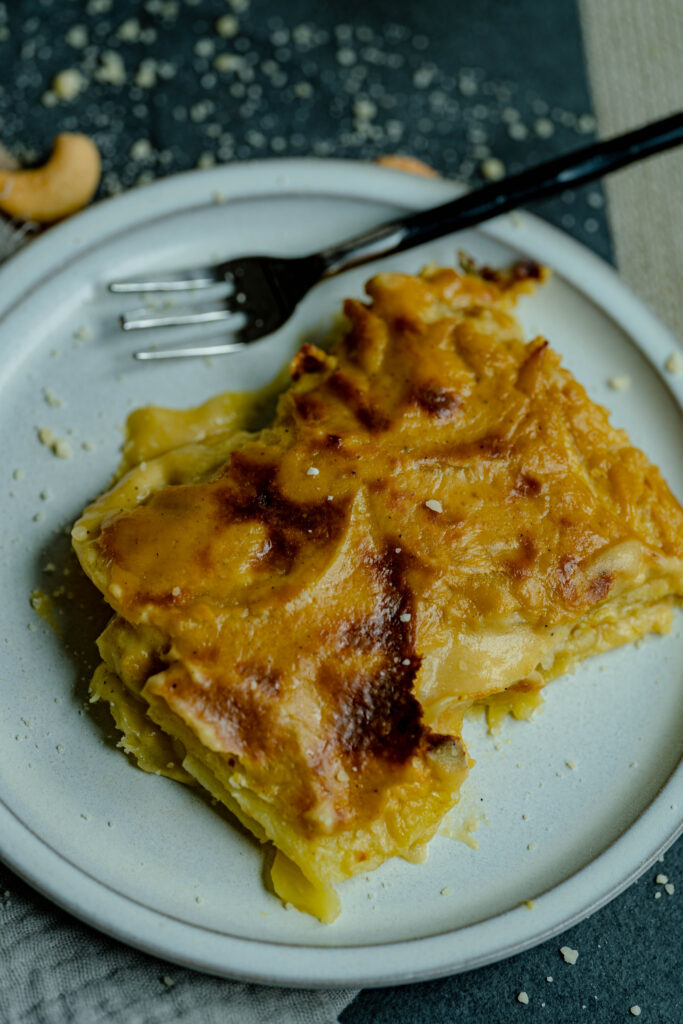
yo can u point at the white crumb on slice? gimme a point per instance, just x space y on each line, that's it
404 617
446 891
523 998
493 169
674 363
176 591
634 1010
312 471
569 955
406 661
434 505
621 382
51 398
398 550
662 879
670 888
68 84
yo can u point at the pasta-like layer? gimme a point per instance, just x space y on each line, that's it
437 516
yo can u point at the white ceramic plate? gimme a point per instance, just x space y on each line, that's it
145 859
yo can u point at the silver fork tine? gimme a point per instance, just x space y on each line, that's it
190 353
142 319
178 281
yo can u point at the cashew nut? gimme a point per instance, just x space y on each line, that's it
410 164
60 187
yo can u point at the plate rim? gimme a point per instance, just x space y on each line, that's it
502 935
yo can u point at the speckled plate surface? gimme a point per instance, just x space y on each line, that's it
570 807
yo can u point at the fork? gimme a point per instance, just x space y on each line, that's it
267 289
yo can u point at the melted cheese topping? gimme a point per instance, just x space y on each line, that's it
436 516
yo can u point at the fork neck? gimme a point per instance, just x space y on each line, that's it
370 245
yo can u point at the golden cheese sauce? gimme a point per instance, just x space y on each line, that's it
437 515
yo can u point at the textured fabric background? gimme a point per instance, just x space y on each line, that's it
57 971
635 61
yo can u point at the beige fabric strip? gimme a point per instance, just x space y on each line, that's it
634 50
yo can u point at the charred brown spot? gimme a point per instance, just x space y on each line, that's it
404 325
489 447
251 493
520 566
522 270
525 486
599 586
439 402
525 686
308 359
347 391
379 714
163 599
309 406
333 441
259 677
527 270
377 711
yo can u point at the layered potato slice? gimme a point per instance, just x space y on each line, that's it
437 515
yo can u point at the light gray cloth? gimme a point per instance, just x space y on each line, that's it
633 50
56 970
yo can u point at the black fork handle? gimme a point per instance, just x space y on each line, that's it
540 182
